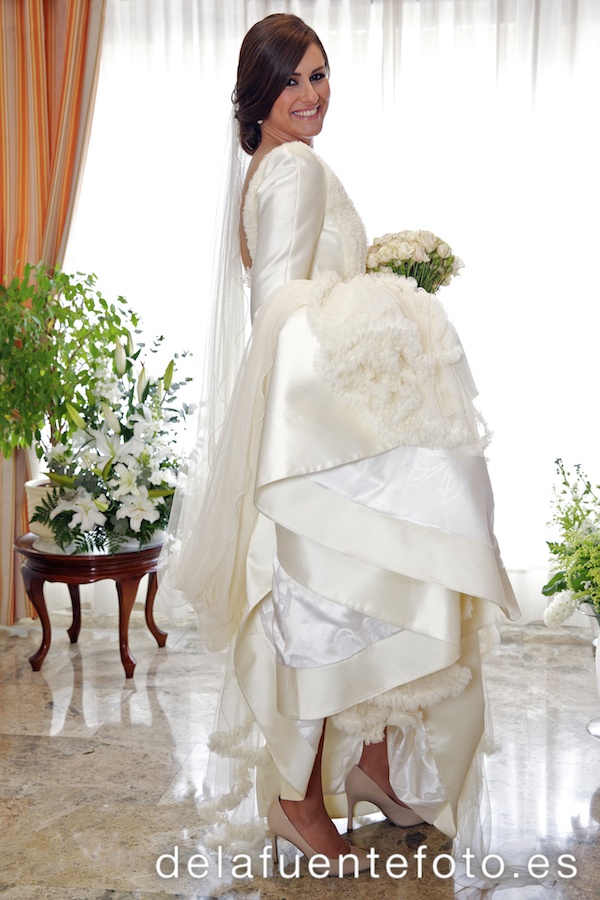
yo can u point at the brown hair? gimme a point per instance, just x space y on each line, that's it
269 55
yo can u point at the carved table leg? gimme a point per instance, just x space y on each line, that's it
161 636
127 590
34 585
73 631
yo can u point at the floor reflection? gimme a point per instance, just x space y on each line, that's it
99 774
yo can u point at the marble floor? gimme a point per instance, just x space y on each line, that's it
99 774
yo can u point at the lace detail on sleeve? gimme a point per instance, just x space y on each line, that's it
343 212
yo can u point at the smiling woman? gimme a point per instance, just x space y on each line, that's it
299 111
262 108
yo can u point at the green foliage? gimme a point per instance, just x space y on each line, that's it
577 554
429 275
54 330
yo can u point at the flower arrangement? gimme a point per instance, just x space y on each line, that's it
576 577
415 254
113 477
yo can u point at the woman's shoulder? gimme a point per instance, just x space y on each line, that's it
294 149
292 155
294 164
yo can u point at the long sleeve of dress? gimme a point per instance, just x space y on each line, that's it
290 211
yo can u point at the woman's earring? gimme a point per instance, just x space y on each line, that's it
260 121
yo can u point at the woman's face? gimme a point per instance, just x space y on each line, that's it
299 111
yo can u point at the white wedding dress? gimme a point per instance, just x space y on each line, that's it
345 550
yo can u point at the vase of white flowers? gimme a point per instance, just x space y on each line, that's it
575 582
110 484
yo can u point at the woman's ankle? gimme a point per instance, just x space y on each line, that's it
374 760
307 810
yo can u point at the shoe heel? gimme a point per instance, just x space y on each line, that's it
275 849
352 801
360 786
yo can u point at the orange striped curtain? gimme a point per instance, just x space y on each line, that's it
49 64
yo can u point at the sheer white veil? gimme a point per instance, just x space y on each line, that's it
223 353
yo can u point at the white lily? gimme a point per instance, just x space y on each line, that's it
124 480
137 508
163 476
87 515
145 425
59 455
109 446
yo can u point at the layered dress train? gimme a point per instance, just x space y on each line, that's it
345 551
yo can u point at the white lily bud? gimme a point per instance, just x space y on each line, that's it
110 418
130 344
168 376
120 358
75 417
142 384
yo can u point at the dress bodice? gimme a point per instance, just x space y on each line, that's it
299 222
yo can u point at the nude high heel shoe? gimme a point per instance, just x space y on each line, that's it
360 786
280 826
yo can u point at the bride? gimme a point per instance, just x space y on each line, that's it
343 550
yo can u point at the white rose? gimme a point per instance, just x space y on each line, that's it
419 254
372 259
405 250
387 253
428 240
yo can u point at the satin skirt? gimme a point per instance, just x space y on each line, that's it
368 626
346 551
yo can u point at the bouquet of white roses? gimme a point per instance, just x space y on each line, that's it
114 477
576 578
415 254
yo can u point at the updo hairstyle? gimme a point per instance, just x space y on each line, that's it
269 55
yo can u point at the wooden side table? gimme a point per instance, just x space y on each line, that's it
126 569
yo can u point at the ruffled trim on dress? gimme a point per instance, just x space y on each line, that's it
387 349
402 706
232 744
222 829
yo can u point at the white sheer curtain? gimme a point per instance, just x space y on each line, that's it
473 118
